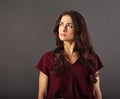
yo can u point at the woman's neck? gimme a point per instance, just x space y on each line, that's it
69 47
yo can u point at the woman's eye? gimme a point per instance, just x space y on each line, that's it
70 26
61 24
66 26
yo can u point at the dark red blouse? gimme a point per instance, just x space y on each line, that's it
73 84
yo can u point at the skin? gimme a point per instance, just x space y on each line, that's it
66 34
43 84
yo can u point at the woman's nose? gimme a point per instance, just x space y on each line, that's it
65 28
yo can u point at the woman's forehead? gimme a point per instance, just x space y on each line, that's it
66 18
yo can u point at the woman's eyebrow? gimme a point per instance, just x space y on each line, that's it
67 23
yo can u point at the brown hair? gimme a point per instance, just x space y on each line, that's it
82 45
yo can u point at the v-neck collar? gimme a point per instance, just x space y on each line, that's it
74 62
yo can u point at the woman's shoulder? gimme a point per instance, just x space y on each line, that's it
99 63
46 62
48 53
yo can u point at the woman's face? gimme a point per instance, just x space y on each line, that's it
66 29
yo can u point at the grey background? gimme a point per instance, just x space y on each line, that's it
26 33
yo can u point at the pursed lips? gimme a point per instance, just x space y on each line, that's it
62 34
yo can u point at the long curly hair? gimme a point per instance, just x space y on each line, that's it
82 45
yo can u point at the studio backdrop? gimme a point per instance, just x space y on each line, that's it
26 32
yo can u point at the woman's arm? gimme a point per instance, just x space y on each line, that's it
43 84
97 90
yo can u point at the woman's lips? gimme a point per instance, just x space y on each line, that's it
63 34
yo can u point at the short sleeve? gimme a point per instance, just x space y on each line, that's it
43 65
99 64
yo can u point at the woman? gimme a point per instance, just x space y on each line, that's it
70 71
